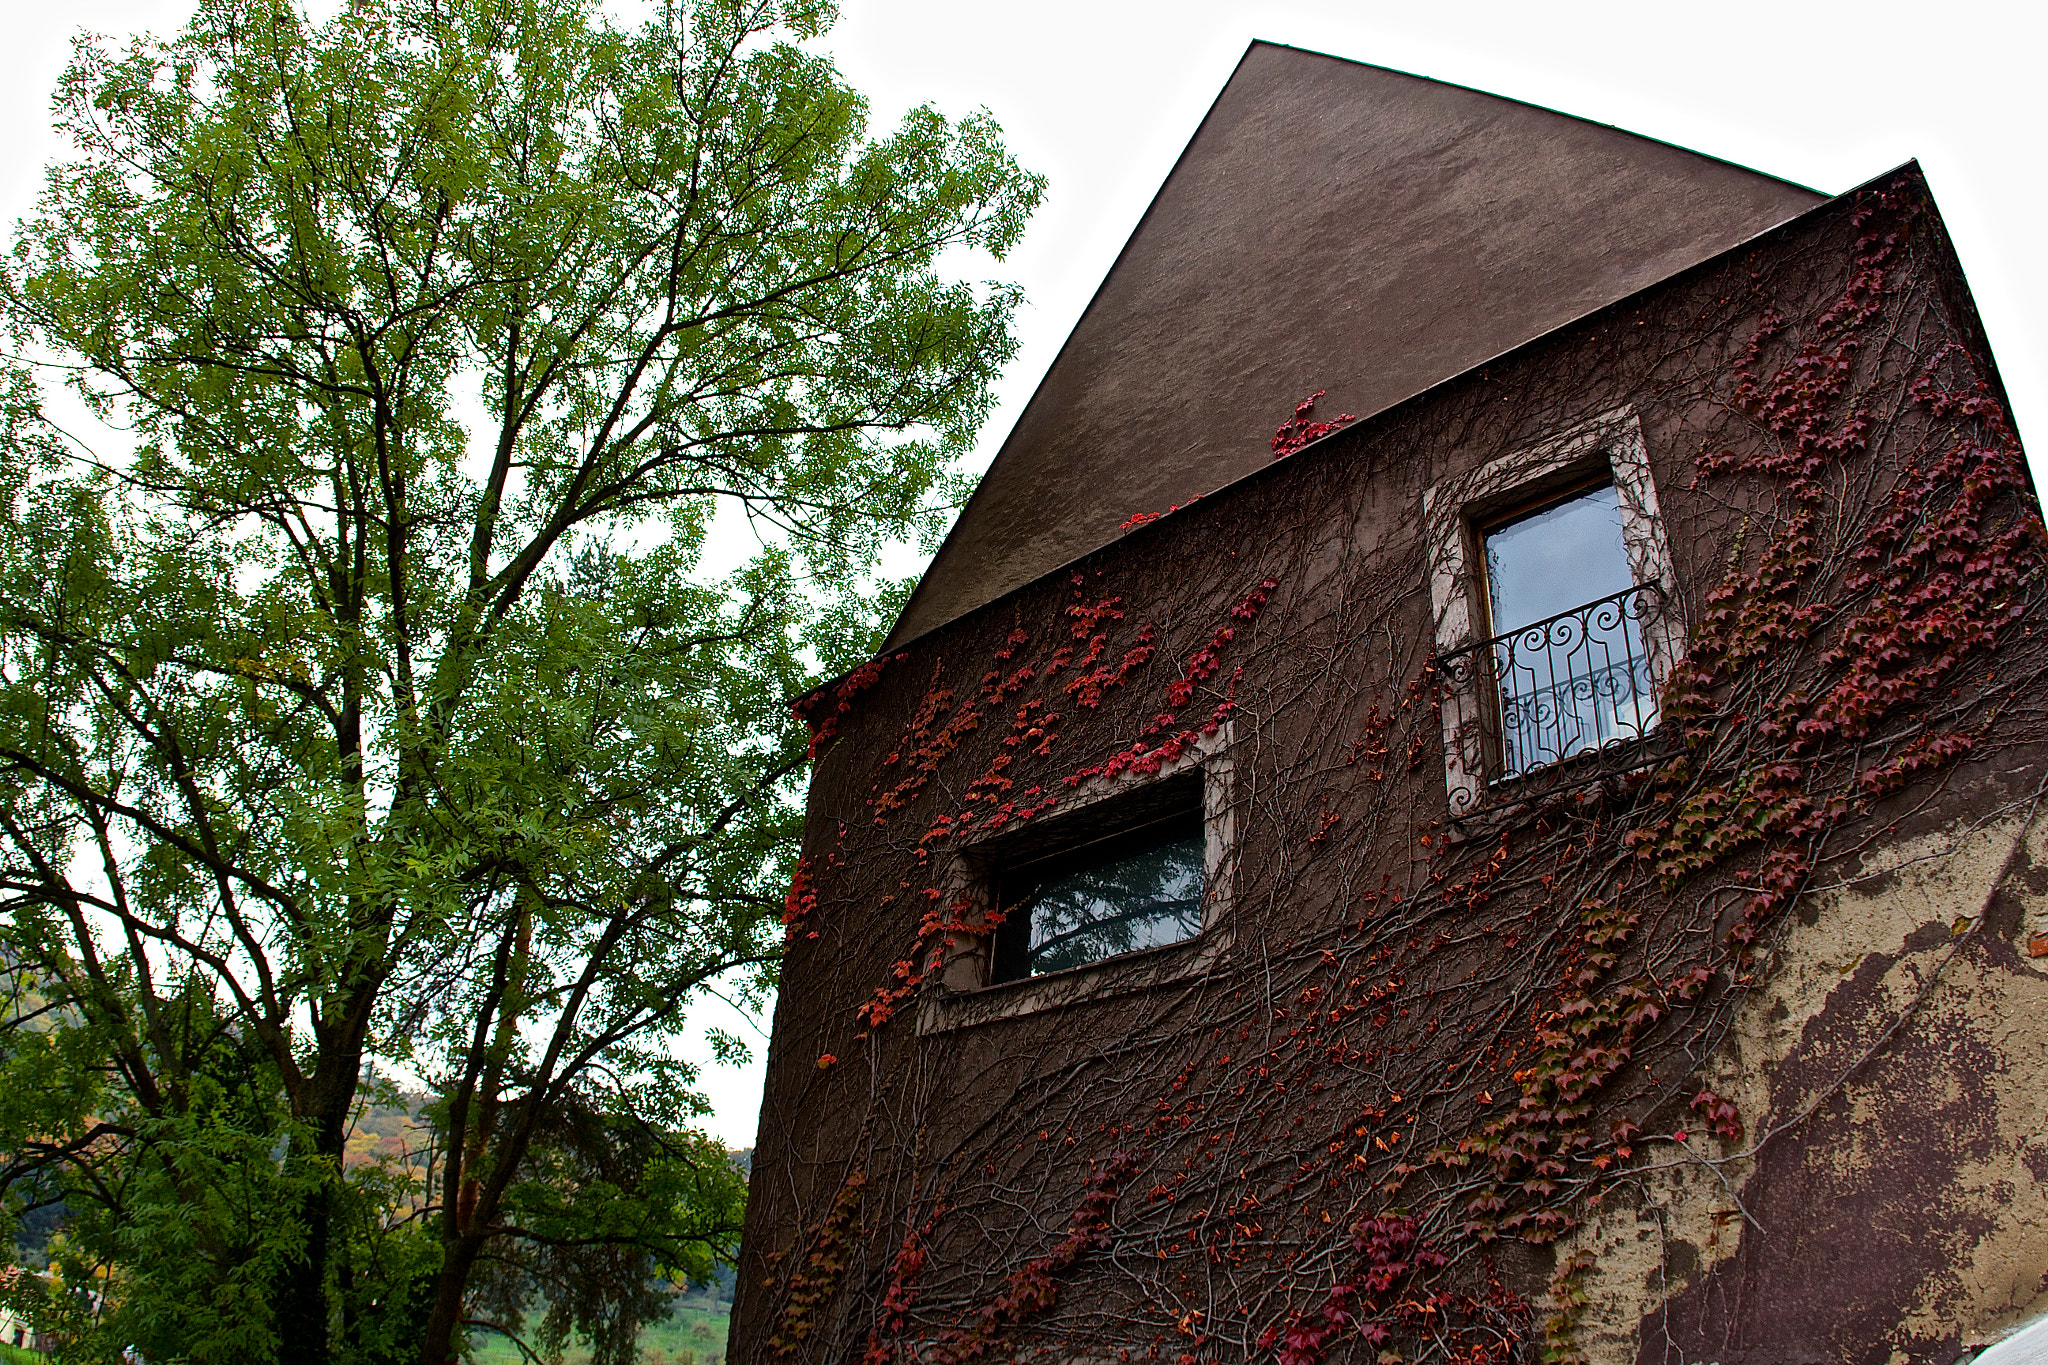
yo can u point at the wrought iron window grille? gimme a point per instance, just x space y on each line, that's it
1566 700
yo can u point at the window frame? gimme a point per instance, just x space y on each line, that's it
1124 828
1455 512
966 995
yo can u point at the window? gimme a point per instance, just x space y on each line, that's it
1139 886
1564 613
1549 579
1126 886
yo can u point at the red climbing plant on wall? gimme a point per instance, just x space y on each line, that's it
1420 1049
1302 428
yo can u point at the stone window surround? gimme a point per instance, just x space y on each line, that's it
1452 510
960 998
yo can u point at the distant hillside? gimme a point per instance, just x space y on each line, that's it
391 1133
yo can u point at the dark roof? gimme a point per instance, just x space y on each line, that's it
1336 226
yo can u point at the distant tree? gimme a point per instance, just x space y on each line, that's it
391 702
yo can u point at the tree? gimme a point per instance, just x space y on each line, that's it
385 706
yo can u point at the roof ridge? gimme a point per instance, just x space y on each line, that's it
1528 104
1359 126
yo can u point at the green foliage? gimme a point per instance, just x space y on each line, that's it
390 709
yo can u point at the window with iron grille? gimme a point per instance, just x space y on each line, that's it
1550 582
1566 650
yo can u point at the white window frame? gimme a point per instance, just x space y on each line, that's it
1453 508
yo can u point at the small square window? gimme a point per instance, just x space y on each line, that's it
1126 887
1122 889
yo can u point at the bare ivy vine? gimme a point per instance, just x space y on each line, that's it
1420 1055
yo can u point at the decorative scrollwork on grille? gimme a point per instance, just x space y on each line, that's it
1555 697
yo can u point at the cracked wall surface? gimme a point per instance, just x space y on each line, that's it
1889 1197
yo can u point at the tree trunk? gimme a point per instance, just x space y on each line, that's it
459 1255
302 1291
304 1325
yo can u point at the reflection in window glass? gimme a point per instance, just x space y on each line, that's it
1559 558
1139 894
1568 651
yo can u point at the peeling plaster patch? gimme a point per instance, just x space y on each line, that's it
1912 1190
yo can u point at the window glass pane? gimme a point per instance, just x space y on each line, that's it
1140 898
1560 558
1573 676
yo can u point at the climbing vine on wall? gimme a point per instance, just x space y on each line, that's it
1423 1052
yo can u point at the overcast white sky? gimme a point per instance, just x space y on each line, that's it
1101 95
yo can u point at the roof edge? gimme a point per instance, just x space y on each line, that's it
1546 109
1087 308
1137 228
1910 166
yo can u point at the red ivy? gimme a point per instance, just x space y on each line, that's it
1298 430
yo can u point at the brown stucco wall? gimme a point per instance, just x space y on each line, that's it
1331 226
1383 989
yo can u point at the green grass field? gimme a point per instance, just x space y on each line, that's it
691 1335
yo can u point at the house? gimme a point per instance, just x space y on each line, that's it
18 1287
1550 867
